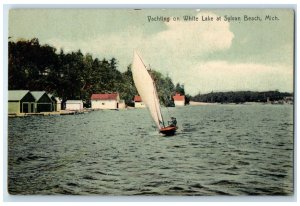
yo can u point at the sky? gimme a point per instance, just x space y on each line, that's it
205 56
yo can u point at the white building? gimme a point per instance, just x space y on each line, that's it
122 104
74 105
105 101
179 100
138 103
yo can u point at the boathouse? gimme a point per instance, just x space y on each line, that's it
20 101
74 105
179 100
105 101
56 102
53 100
43 102
138 103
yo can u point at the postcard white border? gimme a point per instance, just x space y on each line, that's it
120 4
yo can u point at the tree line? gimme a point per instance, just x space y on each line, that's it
241 96
75 75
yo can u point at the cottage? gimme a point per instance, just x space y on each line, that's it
138 103
105 101
43 103
20 101
74 105
179 100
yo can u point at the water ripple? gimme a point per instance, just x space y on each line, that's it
219 150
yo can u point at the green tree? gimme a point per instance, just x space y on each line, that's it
74 75
180 89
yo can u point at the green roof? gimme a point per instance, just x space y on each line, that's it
52 97
38 94
16 95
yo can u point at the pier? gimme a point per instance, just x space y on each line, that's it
62 112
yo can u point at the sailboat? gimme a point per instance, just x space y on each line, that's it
147 90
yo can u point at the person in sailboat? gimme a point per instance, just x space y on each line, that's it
173 122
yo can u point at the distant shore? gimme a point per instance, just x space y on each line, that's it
192 103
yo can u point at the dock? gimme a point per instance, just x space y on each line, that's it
62 112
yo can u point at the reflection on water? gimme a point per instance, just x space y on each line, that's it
218 150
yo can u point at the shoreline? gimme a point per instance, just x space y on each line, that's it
192 103
61 112
88 110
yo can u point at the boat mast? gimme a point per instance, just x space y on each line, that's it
158 106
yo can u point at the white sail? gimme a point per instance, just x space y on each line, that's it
146 88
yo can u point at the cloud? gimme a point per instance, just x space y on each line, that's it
196 36
179 40
120 45
178 51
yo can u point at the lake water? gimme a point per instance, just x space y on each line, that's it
218 150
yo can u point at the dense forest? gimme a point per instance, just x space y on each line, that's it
73 75
241 96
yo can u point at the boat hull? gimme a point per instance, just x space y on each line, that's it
168 131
